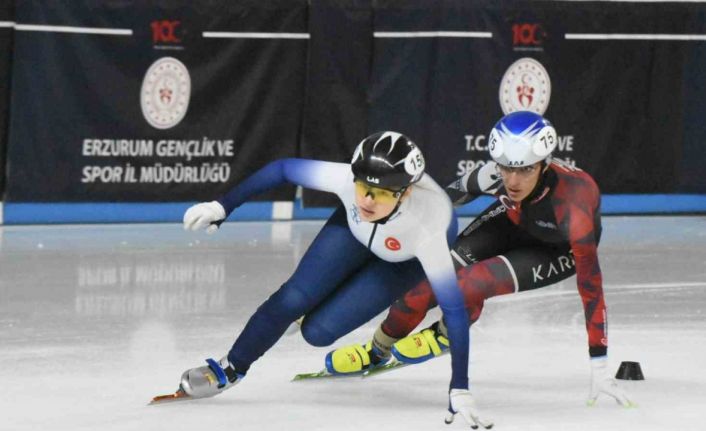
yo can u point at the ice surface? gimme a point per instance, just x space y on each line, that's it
95 320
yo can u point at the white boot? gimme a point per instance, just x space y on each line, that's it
211 379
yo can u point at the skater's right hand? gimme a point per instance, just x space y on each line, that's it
206 215
461 402
603 383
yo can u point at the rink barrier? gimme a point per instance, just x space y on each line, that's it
49 213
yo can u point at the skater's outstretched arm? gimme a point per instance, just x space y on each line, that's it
313 174
577 210
576 207
437 264
440 271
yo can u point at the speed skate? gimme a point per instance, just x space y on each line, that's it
203 382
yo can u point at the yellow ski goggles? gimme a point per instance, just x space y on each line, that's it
378 194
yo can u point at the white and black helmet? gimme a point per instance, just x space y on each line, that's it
522 138
389 160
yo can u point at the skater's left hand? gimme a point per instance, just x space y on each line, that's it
461 402
603 383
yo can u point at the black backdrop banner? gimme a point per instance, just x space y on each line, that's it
692 170
339 67
7 16
174 103
616 104
615 79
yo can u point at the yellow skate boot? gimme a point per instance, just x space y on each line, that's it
422 346
354 359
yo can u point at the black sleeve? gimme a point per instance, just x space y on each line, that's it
480 181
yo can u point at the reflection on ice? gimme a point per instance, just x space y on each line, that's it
151 288
103 317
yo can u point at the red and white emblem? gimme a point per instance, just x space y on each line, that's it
392 243
525 87
165 93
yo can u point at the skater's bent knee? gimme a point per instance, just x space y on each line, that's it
287 302
317 335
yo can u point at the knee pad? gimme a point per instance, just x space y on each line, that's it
287 303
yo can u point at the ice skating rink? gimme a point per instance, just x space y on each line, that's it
97 319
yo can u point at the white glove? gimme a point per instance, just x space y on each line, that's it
206 215
461 402
603 383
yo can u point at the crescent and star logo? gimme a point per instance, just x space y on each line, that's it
392 243
525 87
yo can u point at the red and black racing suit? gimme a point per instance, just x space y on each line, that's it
550 236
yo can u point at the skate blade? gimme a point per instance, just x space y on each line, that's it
179 395
392 365
323 374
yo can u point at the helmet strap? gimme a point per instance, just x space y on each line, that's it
546 162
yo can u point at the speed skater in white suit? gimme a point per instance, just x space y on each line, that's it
391 231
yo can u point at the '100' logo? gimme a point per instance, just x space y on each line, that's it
527 34
165 31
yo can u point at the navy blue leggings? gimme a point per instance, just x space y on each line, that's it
339 285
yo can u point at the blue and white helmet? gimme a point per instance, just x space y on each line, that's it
522 138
